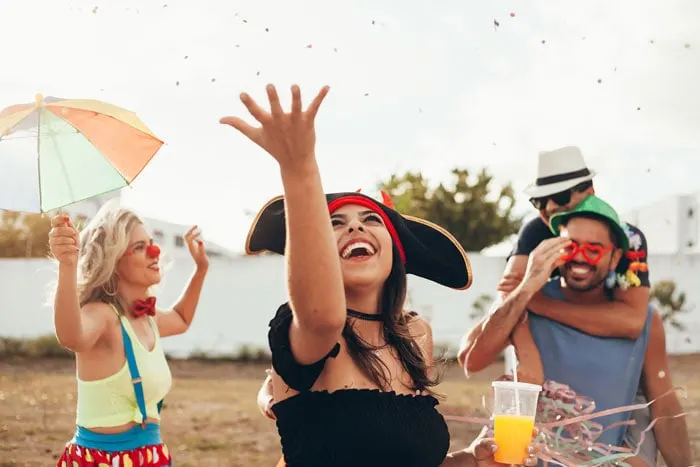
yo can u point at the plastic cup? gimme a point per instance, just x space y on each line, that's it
514 410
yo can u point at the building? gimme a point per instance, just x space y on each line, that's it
167 234
671 225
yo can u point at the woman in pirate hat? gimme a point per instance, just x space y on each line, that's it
352 370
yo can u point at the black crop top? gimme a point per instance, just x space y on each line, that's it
350 427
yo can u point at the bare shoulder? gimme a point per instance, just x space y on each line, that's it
419 326
99 311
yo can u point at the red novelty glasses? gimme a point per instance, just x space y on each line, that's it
592 254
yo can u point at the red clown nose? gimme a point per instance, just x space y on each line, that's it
153 251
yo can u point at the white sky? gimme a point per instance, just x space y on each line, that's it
445 88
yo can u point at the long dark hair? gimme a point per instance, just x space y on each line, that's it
397 336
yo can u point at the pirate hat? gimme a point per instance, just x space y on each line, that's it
428 250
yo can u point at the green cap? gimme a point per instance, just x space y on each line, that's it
592 206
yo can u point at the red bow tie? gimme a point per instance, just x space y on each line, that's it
145 307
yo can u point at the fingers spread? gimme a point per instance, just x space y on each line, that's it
296 101
316 103
275 106
250 131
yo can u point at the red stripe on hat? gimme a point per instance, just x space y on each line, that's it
369 204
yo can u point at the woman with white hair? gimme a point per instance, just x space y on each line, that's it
104 312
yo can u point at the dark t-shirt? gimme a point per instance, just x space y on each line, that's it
535 231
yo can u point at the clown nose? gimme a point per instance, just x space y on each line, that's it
153 251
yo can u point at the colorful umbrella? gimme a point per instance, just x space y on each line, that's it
56 152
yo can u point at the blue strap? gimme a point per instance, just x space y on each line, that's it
135 377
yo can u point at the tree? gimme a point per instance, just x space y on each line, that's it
469 210
669 306
24 235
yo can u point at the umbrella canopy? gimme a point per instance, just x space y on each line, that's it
56 152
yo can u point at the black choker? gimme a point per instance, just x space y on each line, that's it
364 316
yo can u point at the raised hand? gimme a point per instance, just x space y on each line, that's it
289 137
196 247
64 240
543 260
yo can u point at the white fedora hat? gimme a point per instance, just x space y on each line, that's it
559 170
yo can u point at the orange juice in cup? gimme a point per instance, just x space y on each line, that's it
514 409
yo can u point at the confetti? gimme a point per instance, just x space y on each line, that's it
512 15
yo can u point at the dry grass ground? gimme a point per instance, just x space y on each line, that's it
210 418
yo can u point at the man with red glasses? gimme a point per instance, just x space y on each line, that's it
607 369
563 182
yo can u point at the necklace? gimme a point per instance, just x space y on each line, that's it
364 316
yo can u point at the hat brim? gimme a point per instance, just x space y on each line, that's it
540 191
431 251
558 219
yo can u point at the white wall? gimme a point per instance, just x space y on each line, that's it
242 294
671 225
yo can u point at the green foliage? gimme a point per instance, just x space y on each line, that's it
243 354
470 210
38 347
480 306
24 235
669 305
27 235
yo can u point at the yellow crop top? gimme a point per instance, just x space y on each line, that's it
111 401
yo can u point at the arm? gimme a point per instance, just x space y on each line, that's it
623 317
491 335
671 433
315 284
422 332
530 369
265 397
515 267
179 318
314 279
77 330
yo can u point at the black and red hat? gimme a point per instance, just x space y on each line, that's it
428 250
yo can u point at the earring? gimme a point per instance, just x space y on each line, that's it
113 292
611 280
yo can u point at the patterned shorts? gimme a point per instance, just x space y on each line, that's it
147 456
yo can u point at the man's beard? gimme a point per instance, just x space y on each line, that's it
597 279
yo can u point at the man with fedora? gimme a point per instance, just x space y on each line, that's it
563 181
